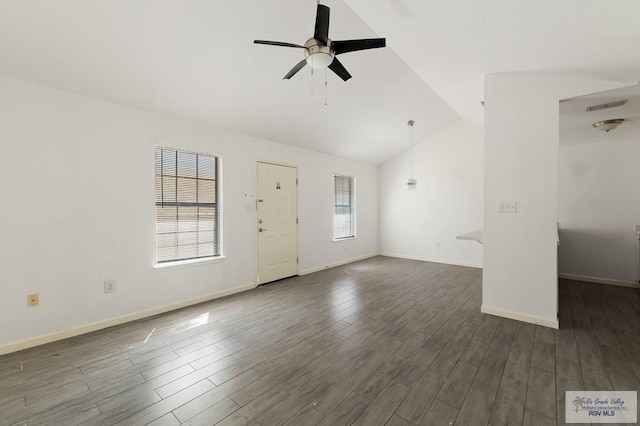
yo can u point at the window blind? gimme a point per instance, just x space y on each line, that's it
186 205
343 223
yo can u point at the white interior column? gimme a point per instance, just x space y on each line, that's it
521 168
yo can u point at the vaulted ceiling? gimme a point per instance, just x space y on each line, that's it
196 60
451 45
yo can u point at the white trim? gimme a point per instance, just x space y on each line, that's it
189 262
598 280
339 263
428 259
337 240
88 328
520 316
279 163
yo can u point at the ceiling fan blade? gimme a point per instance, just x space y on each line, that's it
322 24
337 67
295 69
344 46
277 43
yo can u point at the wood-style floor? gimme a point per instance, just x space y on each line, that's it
379 342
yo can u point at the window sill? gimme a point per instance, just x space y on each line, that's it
337 240
190 262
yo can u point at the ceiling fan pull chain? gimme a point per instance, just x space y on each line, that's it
312 77
326 84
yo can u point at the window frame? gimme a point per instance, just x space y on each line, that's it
217 243
351 206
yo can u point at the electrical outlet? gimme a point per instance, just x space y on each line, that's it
437 244
33 300
109 286
508 207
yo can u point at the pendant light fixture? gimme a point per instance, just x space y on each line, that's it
412 183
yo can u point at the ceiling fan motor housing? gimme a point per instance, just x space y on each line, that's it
317 54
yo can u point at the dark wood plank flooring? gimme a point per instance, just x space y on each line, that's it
379 342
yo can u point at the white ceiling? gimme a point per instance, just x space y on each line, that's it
196 60
453 44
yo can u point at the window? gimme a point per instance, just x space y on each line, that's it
187 208
343 207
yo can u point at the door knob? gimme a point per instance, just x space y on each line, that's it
261 229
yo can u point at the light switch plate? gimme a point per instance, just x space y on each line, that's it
508 207
109 286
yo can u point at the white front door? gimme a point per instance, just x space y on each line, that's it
277 222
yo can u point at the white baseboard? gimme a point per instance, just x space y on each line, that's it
599 280
520 317
428 259
334 264
72 332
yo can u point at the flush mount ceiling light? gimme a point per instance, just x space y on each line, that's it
608 125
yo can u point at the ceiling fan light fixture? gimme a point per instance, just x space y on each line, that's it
317 54
608 125
319 60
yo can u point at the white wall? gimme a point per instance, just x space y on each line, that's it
77 181
448 200
599 205
521 165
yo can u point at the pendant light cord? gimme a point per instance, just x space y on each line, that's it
410 123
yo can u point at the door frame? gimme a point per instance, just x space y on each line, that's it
255 216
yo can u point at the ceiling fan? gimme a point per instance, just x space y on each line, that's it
320 51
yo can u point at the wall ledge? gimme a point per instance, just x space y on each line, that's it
598 280
76 331
520 316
